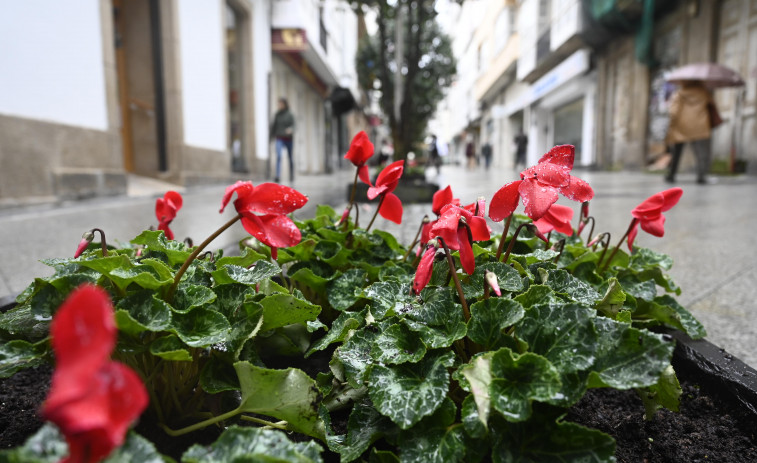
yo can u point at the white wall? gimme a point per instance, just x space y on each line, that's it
51 62
203 78
261 68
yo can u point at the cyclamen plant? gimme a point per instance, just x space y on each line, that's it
331 331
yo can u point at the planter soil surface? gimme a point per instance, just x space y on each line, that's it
708 428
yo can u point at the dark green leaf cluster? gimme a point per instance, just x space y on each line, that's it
330 342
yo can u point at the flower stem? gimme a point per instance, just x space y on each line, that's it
381 201
195 253
605 240
504 236
354 187
512 242
591 230
201 424
282 425
615 250
453 274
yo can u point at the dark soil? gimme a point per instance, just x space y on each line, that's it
707 429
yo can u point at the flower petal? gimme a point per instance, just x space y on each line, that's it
423 272
243 190
391 208
174 197
562 155
505 201
164 226
441 198
632 232
578 190
361 149
537 198
364 174
671 197
272 198
655 226
479 228
467 260
446 225
391 174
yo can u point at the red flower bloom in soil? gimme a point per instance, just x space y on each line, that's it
165 210
386 182
455 233
540 186
361 149
92 399
263 209
648 214
557 218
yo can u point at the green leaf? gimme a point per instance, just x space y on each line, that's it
507 277
439 304
22 322
479 379
136 448
628 357
343 292
472 421
382 456
288 395
433 440
612 301
643 258
218 376
314 274
640 289
564 335
231 296
47 445
542 440
151 274
245 323
18 354
538 295
577 290
518 380
354 358
406 393
190 296
285 309
489 317
201 327
143 311
175 251
333 253
364 427
668 311
247 259
246 444
396 345
389 298
440 336
171 348
235 274
339 331
664 394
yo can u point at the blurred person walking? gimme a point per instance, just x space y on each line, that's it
521 143
486 152
693 114
282 130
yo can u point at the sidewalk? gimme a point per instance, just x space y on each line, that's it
708 234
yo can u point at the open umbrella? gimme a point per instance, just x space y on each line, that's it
712 74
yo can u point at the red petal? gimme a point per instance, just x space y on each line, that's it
280 231
164 210
361 149
391 175
560 216
243 190
671 197
375 191
543 225
272 198
505 201
446 226
391 208
562 155
537 198
83 244
552 174
164 226
479 228
426 232
578 190
441 198
83 330
364 174
174 198
423 272
655 226
467 260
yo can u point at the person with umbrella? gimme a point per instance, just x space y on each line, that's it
690 123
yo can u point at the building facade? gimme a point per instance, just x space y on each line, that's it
184 91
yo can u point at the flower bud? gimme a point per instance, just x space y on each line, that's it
533 229
86 238
491 280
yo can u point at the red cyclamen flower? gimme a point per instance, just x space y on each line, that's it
648 214
440 199
450 228
386 182
425 267
272 201
540 186
92 399
361 149
165 210
557 218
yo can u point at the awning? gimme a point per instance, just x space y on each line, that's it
342 101
292 46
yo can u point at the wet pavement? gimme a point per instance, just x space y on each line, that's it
709 234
